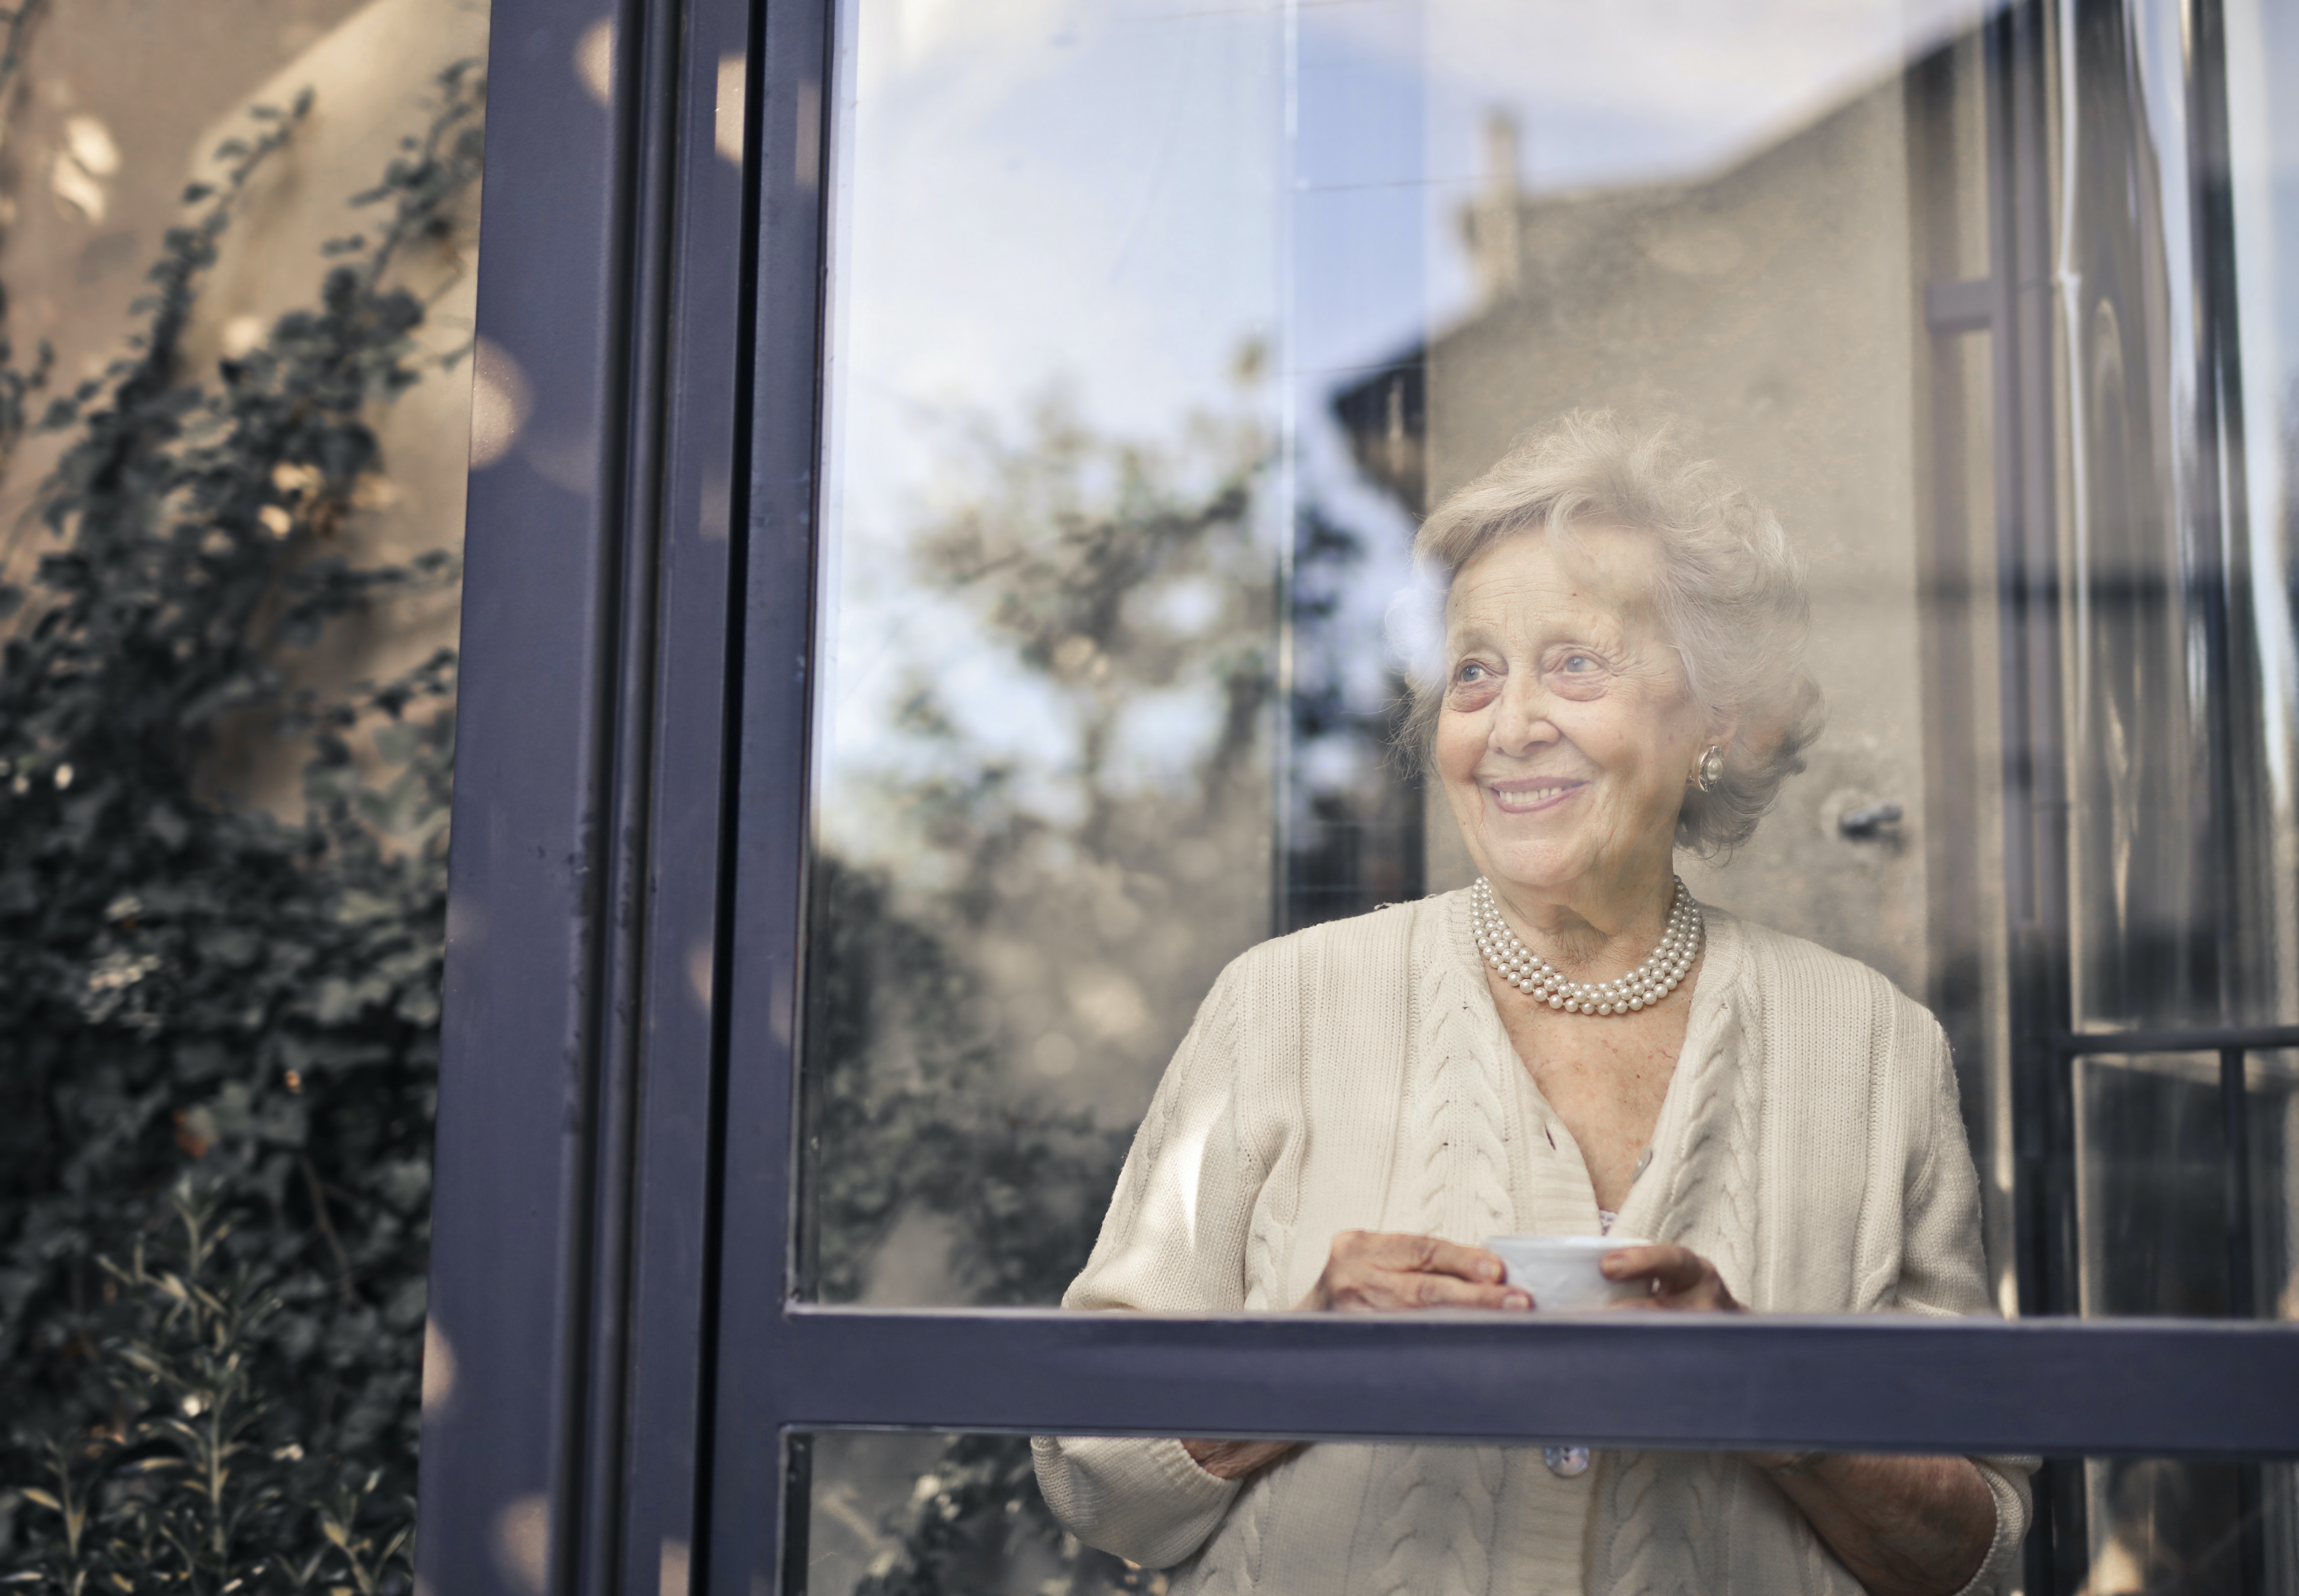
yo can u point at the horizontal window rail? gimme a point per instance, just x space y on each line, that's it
1881 1382
2198 1039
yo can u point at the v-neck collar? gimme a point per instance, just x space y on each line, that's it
1646 1204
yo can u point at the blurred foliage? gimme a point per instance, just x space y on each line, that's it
182 1489
193 991
977 1524
1060 554
914 1099
1073 554
1102 573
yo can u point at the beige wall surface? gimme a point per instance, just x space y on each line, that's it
270 263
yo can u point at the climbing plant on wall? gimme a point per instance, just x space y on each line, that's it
218 1030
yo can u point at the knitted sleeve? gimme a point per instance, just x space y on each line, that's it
1944 1271
1943 1266
1173 1242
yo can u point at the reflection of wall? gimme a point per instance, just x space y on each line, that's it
1771 309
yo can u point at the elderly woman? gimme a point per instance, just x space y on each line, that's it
1571 1044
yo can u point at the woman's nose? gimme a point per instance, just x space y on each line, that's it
1522 722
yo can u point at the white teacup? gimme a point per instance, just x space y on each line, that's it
1565 1272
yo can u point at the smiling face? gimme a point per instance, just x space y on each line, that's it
1567 733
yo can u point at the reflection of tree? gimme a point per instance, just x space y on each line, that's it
1054 906
1074 891
1353 830
1122 581
1068 564
910 1113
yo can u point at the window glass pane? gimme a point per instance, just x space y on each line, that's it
2271 1113
2154 1217
1045 806
2170 1224
2165 1524
1156 333
921 1512
2182 871
2263 162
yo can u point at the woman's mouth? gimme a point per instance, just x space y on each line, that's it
1531 797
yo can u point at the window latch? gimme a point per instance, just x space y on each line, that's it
1866 825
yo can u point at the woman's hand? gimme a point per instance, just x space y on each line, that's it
1368 1271
1679 1277
1905 1526
1373 1271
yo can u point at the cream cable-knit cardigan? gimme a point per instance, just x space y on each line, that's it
1357 1076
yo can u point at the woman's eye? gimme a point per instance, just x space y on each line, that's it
1472 672
1579 662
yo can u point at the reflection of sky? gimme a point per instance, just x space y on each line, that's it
1631 90
1083 188
1092 194
2263 54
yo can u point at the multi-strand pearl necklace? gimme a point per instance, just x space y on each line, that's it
1640 988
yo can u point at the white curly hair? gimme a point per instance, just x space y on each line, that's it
1731 595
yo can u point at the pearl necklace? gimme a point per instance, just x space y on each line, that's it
1640 988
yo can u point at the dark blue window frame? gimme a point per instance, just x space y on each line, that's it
620 1152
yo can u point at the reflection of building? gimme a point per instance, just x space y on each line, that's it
1770 309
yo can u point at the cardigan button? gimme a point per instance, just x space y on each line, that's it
1566 1462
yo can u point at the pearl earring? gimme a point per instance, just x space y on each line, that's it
1706 774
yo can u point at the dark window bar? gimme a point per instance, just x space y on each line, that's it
2203 1039
1869 1383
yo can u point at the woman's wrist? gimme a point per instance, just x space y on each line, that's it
1787 1466
1234 1460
